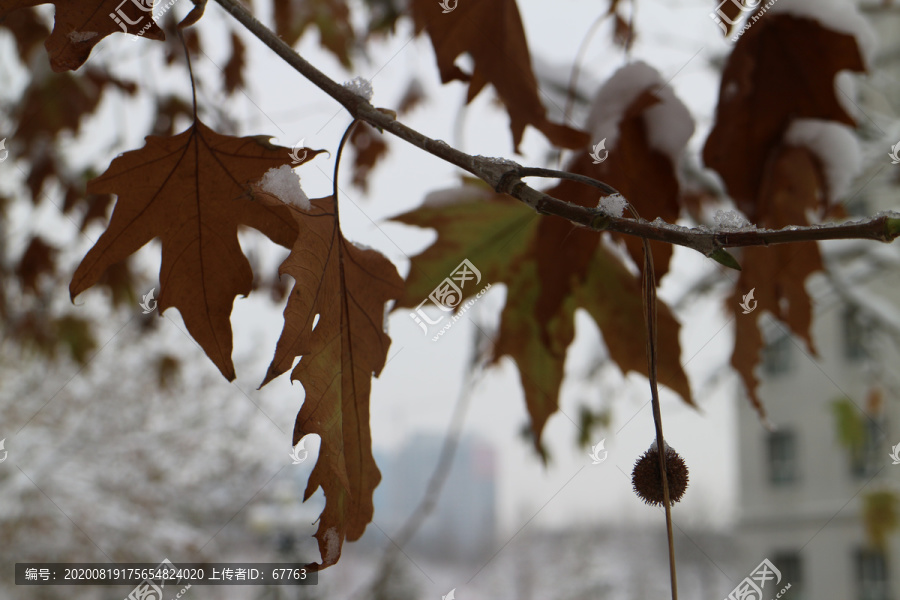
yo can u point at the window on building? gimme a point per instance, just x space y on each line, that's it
867 459
776 358
791 568
872 575
782 457
855 332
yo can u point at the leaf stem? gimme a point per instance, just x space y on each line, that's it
649 292
337 165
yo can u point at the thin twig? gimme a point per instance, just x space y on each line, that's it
576 67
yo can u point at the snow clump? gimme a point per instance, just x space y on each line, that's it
731 219
285 185
613 205
361 87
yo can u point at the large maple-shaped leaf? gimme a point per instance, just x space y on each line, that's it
781 70
81 24
334 320
634 148
536 257
491 32
191 191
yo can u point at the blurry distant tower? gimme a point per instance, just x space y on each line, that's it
462 525
803 486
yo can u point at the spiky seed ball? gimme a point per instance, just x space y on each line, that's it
647 481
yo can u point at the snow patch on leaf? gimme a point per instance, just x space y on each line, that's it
360 86
284 184
669 123
834 145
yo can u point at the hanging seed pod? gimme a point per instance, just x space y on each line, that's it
647 481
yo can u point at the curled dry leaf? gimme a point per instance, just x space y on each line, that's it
346 289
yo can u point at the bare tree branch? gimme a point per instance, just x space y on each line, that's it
505 176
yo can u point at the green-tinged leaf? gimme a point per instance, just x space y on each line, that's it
550 268
334 321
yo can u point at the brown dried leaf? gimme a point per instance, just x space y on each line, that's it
781 70
491 32
370 148
81 24
794 183
191 191
346 288
234 68
38 259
